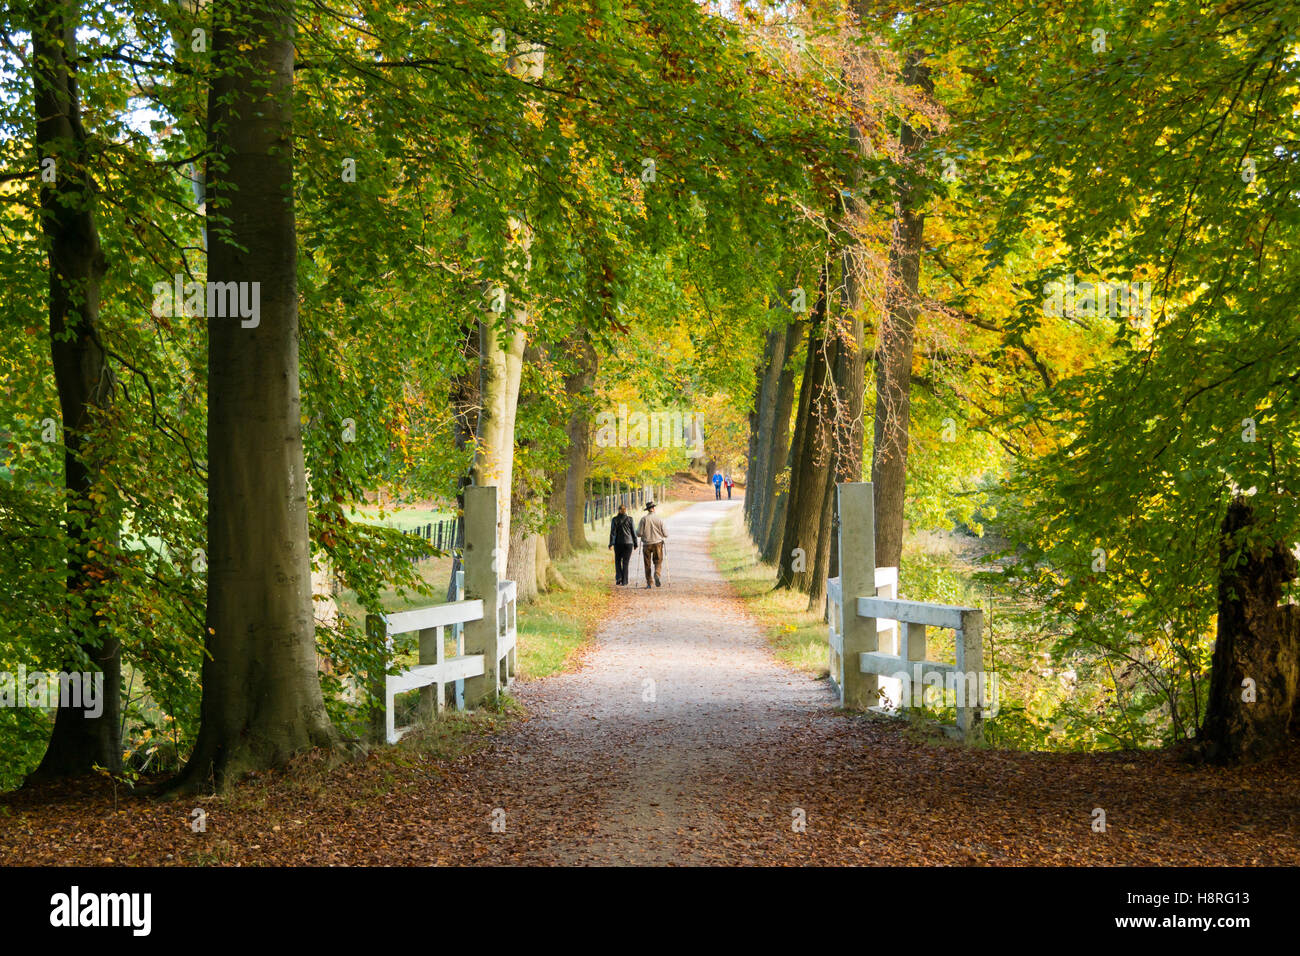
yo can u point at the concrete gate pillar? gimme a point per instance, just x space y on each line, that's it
857 551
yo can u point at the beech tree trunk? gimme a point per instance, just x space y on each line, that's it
761 395
557 513
1254 705
82 376
577 386
761 463
771 519
262 700
808 469
895 344
500 367
501 356
521 565
821 567
850 385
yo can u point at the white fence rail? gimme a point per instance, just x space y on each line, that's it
507 626
886 586
882 637
489 630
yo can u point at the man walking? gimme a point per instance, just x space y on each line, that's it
622 541
652 535
729 485
717 486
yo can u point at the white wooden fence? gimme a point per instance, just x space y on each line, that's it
882 637
483 627
886 586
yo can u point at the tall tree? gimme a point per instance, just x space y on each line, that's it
262 700
76 269
897 335
501 345
771 518
810 461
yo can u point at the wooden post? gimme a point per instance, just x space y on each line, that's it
857 550
912 637
481 577
459 634
432 698
969 644
377 631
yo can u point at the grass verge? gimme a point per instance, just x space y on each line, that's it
797 635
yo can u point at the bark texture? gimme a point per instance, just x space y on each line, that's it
808 466
771 517
1256 654
501 344
763 419
577 385
82 376
262 700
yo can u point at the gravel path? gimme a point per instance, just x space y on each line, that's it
677 695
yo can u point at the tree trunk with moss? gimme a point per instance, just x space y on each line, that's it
84 382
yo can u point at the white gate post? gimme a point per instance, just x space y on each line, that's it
481 578
969 642
857 544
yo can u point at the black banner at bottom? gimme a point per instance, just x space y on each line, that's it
136 907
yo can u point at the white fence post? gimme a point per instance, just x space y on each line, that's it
864 604
970 668
481 583
433 697
857 544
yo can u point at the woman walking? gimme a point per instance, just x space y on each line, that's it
622 540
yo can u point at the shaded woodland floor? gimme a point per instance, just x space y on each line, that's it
681 740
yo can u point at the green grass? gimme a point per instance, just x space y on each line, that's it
797 635
436 572
397 516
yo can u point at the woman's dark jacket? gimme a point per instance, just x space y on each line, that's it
622 531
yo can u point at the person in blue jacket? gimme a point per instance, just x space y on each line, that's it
717 485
